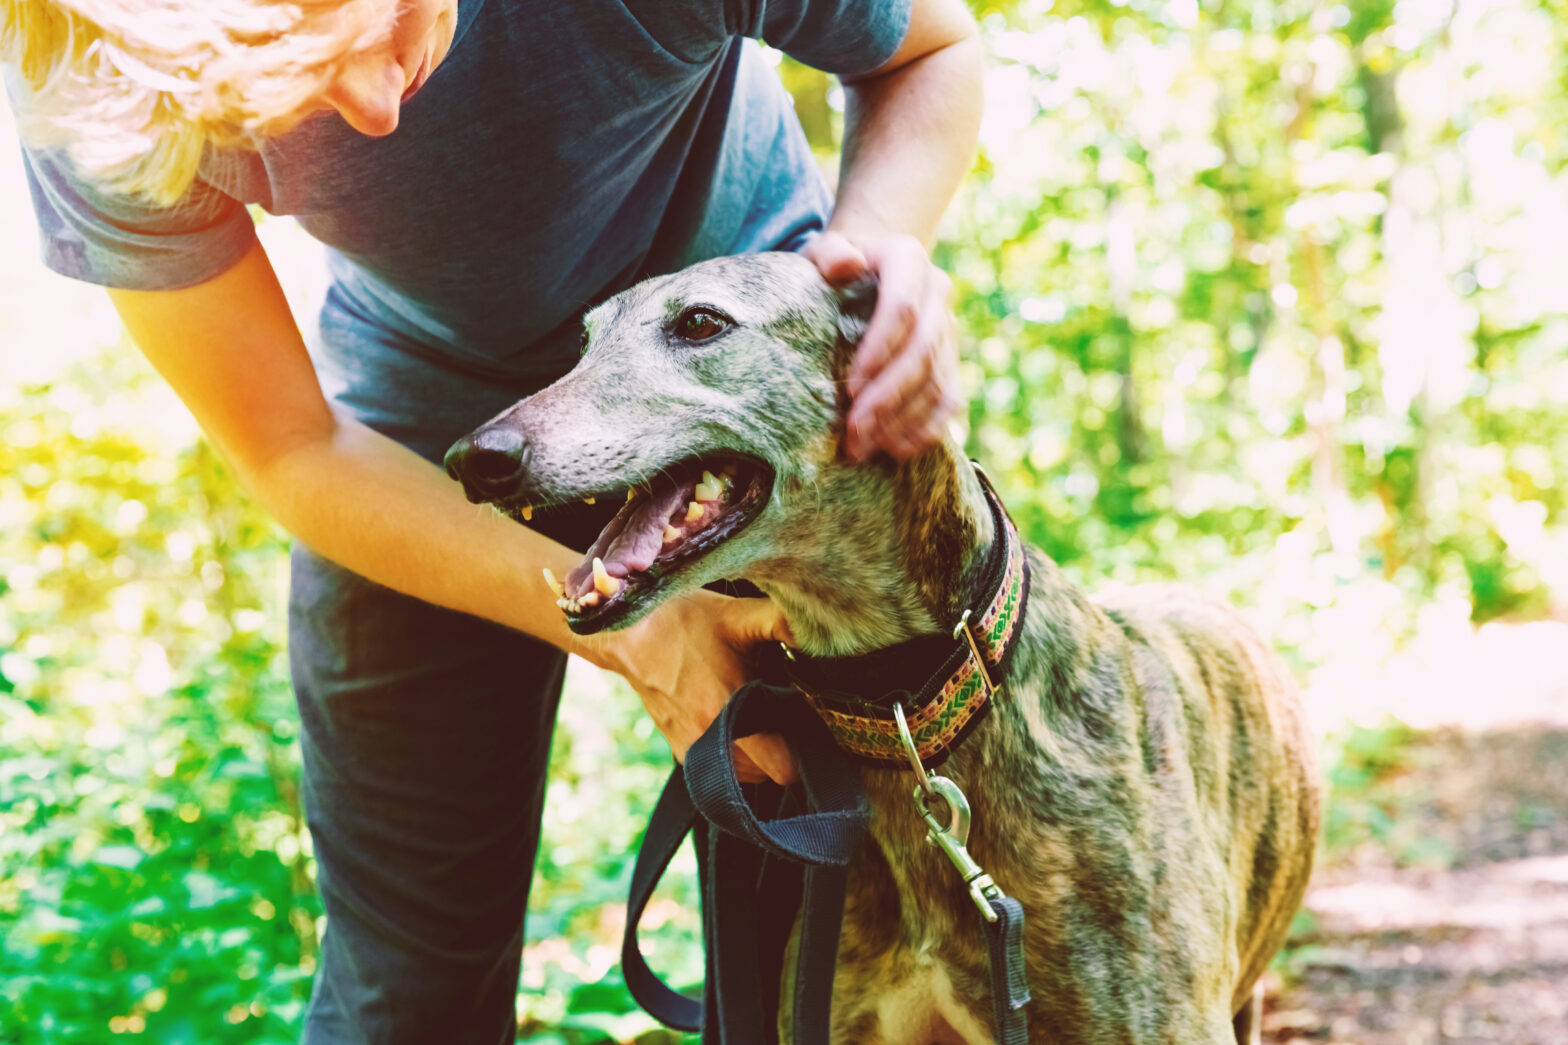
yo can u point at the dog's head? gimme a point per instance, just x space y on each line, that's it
710 399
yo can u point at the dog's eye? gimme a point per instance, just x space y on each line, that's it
701 324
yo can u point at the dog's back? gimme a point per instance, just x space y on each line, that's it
1212 686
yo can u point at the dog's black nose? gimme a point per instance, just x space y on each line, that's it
489 462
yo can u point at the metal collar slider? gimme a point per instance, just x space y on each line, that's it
963 629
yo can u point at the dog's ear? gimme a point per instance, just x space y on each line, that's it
856 302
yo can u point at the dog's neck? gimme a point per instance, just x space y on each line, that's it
889 553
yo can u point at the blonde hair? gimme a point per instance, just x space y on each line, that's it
134 91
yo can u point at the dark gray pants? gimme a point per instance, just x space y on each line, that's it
425 736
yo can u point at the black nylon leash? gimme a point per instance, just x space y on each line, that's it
744 929
1004 950
747 896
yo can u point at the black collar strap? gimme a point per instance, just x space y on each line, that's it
956 678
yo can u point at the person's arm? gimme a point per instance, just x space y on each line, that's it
910 132
231 351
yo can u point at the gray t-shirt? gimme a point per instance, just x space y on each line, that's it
561 152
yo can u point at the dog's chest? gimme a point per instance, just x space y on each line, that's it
924 1010
912 959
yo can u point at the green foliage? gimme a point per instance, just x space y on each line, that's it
1363 798
593 821
155 873
155 869
1184 268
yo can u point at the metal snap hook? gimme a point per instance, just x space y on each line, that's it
957 826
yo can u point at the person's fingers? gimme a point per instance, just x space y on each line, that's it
895 410
739 624
902 271
903 435
746 769
927 396
764 756
755 620
896 407
945 396
757 758
839 260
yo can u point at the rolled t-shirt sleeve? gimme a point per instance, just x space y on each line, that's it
846 37
126 242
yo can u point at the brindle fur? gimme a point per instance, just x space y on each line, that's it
1143 785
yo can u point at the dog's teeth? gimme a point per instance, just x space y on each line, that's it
590 599
693 512
588 500
564 603
709 489
555 585
528 512
603 583
670 533
632 493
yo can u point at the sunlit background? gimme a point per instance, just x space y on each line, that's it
1271 298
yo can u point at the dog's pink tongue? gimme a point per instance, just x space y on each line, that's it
631 541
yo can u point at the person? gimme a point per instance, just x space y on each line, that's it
480 171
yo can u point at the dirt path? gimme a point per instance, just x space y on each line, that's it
1449 921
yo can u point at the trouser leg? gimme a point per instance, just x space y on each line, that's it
425 739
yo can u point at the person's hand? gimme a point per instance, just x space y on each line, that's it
903 381
686 658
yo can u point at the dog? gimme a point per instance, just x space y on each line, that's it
1142 783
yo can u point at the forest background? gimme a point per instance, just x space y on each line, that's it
1266 297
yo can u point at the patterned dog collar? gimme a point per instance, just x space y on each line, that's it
951 700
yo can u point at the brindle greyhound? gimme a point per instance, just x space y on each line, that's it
1142 784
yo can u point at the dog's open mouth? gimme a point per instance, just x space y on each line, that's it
679 516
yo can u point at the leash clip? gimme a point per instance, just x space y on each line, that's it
965 630
953 837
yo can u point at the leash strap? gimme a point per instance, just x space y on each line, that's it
738 853
1009 986
673 818
749 899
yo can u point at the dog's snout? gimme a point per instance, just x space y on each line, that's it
489 462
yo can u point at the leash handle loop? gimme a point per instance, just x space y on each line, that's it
825 837
734 851
673 818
